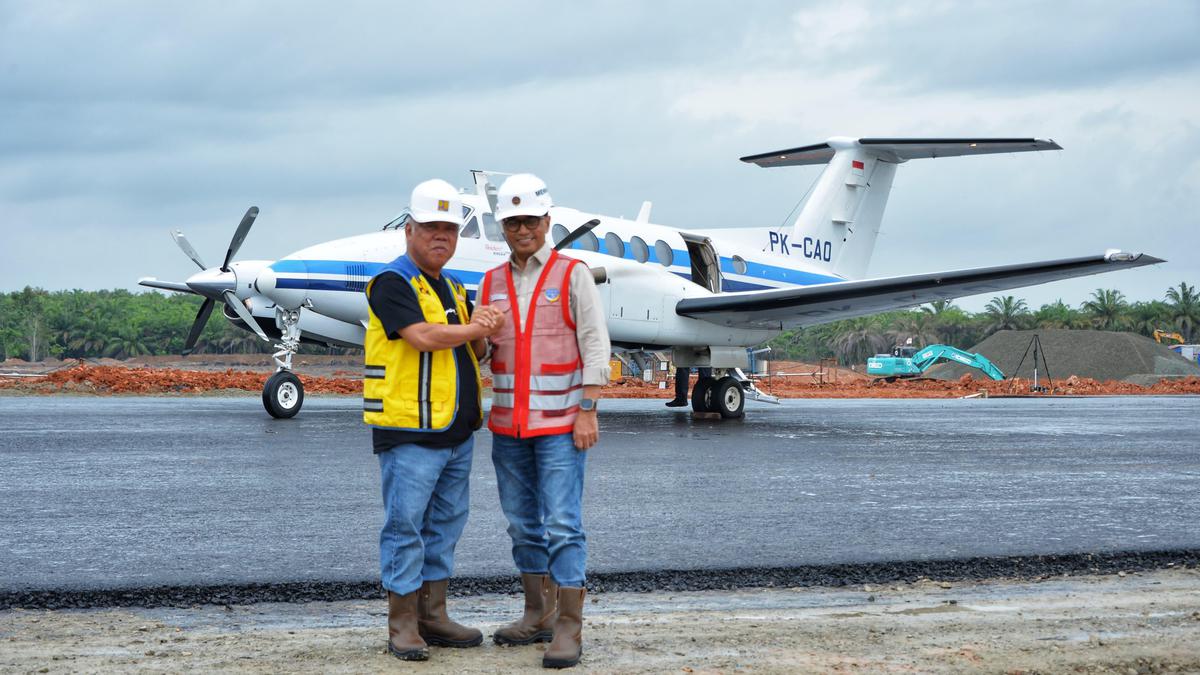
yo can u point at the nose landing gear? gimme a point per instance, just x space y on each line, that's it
283 394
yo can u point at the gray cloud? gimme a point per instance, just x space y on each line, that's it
123 120
1014 47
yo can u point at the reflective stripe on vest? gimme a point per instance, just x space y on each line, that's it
537 372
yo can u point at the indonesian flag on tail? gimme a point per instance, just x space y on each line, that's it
857 167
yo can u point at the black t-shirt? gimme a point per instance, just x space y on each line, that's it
394 302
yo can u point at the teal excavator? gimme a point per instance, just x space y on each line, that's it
906 361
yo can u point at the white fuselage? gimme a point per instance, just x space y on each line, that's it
649 268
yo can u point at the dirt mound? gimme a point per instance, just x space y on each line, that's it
122 380
1092 354
106 380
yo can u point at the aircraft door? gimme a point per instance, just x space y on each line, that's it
706 266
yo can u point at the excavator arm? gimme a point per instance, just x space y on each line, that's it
930 355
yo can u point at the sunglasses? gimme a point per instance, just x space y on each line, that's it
515 223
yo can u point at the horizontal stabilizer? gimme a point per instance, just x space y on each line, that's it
811 305
899 149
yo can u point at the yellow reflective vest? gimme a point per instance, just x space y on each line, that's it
404 388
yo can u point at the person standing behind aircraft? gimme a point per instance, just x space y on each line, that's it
548 365
421 396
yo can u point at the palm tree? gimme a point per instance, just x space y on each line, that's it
128 342
938 307
1108 309
1145 317
1184 309
859 340
1057 314
1006 313
920 327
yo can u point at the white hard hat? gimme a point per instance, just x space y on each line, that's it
436 201
522 194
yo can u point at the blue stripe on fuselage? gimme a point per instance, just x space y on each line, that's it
754 270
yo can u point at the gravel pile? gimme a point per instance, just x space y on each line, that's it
851 574
1096 354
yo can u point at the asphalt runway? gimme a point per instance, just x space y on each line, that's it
120 492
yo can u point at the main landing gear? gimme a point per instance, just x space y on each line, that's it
283 394
723 395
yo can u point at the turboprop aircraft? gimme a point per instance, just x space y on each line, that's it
705 295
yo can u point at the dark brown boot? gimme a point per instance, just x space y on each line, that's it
404 641
567 646
537 624
435 625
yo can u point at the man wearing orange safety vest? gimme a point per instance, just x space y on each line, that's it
549 361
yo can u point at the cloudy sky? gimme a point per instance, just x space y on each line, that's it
120 121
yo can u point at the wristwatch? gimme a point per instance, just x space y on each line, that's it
587 404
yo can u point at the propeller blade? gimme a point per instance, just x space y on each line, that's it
187 248
151 282
198 326
239 236
577 233
244 314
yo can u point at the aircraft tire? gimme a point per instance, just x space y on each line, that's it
283 395
702 395
728 398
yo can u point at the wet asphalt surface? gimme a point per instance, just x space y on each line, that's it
211 494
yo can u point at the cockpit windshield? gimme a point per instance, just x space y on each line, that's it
397 223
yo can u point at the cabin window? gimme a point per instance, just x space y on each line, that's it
614 246
589 242
641 252
662 250
558 233
739 265
491 229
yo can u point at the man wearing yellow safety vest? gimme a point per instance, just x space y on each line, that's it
421 395
549 361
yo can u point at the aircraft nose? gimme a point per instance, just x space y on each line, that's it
265 282
286 290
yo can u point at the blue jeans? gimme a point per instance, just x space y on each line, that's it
541 492
426 495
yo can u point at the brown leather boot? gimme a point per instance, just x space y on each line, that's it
404 641
566 648
537 624
435 625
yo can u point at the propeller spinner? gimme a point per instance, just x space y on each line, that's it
214 283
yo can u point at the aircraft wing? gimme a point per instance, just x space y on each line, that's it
811 305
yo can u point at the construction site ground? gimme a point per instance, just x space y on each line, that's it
1135 622
229 374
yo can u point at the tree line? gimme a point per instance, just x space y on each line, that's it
852 341
36 324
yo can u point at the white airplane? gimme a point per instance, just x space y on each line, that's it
706 295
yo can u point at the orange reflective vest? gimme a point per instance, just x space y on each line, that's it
537 372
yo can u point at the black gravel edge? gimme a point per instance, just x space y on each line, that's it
850 574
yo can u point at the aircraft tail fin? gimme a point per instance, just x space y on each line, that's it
837 228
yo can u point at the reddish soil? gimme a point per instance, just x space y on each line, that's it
797 381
